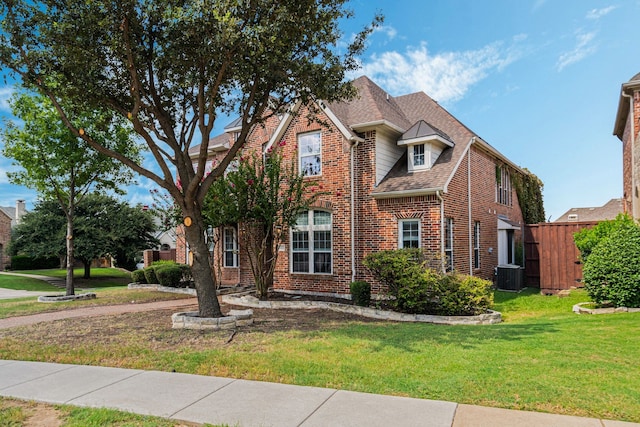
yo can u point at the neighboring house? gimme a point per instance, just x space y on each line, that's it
5 237
626 128
396 172
9 218
610 210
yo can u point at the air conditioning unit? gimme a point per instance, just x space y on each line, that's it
510 277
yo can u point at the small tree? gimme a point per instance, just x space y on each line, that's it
265 196
588 238
59 164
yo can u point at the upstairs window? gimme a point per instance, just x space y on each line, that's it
310 154
503 186
418 155
476 245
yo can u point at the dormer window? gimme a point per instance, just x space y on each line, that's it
424 144
418 155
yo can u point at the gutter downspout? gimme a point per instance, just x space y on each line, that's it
354 144
473 139
633 138
439 196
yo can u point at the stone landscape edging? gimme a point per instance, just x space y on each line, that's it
191 320
489 318
65 298
579 309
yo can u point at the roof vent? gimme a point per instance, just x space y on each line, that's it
572 217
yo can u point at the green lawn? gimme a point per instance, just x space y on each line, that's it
100 277
542 358
25 284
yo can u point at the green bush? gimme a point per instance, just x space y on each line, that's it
138 276
169 275
611 273
416 285
25 262
150 274
588 238
462 295
360 293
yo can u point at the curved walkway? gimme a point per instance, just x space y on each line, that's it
93 311
54 281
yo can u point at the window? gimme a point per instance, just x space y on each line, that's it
448 244
476 245
418 155
230 245
503 186
311 243
309 149
409 233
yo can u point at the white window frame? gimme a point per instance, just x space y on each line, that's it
503 187
310 154
401 230
476 245
426 155
233 248
448 244
310 228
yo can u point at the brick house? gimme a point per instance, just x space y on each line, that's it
398 172
626 128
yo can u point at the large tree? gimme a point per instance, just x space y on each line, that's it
104 226
58 163
171 67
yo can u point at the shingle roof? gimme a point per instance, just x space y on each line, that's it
609 210
423 129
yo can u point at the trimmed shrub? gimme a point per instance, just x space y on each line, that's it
462 295
169 275
588 238
360 293
391 266
25 262
138 276
611 273
418 292
150 275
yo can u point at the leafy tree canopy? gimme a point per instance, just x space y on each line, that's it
170 67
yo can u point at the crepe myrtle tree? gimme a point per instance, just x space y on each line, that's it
264 196
170 67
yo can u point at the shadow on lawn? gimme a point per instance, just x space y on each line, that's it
415 337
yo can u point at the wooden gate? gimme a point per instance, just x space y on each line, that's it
551 257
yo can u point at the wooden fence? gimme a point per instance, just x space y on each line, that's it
551 257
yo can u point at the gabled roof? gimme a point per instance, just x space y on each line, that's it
609 210
623 105
423 131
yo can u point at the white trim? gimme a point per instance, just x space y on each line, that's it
460 160
310 228
369 125
283 125
401 223
312 154
234 250
406 193
341 127
425 139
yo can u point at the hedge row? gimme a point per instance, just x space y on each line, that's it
165 273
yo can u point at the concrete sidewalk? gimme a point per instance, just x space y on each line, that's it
244 403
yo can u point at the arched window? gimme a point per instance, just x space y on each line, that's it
311 243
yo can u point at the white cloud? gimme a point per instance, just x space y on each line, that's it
388 30
5 94
584 47
599 13
446 76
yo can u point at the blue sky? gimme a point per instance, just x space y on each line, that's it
539 80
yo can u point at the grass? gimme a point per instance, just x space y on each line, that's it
542 358
25 284
100 277
18 413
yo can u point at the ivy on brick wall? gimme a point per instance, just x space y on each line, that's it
529 190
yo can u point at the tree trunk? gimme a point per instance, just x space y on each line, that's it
70 260
87 269
208 305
